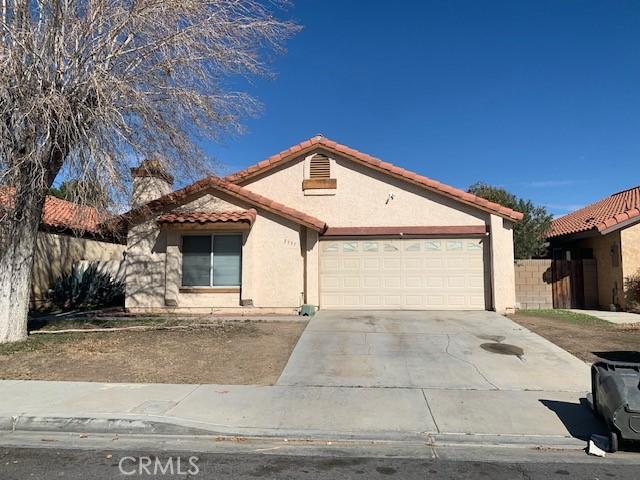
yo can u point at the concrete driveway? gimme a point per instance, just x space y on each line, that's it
430 350
447 387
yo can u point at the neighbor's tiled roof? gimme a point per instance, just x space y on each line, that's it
377 164
600 215
244 216
236 191
59 213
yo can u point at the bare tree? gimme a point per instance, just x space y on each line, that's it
90 85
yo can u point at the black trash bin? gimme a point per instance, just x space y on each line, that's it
615 387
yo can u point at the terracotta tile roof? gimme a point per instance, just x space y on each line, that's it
231 189
244 216
377 164
601 215
59 213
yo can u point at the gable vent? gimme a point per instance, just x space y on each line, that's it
319 166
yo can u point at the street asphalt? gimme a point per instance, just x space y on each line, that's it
46 463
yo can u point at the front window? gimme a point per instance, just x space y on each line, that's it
211 260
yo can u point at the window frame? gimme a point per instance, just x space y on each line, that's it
211 260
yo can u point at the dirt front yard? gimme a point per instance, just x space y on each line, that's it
234 353
581 335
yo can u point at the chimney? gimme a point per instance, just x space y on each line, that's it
150 181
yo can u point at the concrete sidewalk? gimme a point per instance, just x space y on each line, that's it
619 318
296 411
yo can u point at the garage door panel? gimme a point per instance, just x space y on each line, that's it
328 282
414 300
392 300
457 282
352 282
402 274
372 300
435 300
351 301
351 264
332 300
456 263
392 282
476 301
372 282
329 264
390 263
413 264
371 263
456 300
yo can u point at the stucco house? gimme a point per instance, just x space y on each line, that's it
321 224
68 233
607 231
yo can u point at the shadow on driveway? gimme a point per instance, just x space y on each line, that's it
579 419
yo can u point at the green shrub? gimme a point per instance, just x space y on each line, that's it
88 289
632 292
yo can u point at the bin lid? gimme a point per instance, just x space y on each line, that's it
621 358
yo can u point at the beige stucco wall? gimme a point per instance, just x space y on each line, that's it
610 277
502 268
630 248
312 268
361 198
272 265
630 241
56 253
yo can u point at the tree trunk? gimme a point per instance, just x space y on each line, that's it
18 235
16 262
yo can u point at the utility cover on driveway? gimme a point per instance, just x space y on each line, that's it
438 350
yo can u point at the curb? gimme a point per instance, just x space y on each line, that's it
29 423
149 425
164 427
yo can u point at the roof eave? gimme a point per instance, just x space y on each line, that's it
605 229
183 195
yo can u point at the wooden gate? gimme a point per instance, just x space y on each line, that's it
570 287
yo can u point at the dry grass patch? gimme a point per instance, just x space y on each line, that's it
580 334
234 353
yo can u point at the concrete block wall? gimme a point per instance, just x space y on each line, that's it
533 284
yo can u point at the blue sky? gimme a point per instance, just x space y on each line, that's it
539 96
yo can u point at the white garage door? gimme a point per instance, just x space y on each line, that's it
418 274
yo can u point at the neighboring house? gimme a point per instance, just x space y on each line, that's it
320 224
607 231
68 234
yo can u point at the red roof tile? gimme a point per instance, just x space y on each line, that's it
231 189
363 158
59 213
601 215
244 216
